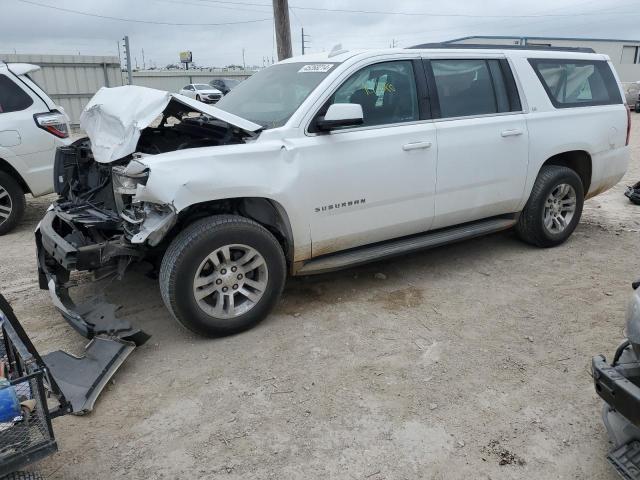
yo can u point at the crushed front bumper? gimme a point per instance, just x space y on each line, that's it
58 256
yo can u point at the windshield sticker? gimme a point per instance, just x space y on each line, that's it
316 68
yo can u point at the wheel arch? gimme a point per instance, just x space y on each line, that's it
267 212
10 169
577 160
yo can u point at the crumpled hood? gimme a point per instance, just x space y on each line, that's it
114 117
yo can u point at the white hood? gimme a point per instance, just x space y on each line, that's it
114 117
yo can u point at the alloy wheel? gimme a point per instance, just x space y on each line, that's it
559 208
230 281
6 205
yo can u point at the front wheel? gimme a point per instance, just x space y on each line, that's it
554 207
198 98
222 275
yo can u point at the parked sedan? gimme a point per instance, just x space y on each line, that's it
202 92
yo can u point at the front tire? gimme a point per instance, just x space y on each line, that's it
554 207
222 275
12 203
198 98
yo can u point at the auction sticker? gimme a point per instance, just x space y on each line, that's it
316 68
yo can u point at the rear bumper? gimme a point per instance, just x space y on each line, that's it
57 258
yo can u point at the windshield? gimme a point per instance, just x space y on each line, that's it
272 95
202 86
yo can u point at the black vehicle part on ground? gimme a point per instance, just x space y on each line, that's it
96 316
48 386
633 193
618 384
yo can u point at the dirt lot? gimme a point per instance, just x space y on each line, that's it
469 361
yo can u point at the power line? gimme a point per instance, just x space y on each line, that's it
107 17
421 14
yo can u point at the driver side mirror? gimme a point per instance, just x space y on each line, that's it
341 115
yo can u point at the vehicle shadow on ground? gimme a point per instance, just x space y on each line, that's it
139 295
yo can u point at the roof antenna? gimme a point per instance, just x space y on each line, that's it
337 50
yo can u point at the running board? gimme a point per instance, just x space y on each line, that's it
379 251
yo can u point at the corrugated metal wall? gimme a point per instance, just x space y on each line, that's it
174 80
71 80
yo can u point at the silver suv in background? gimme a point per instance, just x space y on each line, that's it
32 126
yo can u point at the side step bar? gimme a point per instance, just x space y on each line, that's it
379 251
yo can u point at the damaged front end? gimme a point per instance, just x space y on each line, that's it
85 230
103 220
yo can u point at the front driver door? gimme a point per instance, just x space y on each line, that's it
377 181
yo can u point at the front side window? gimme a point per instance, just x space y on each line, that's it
12 97
386 91
272 95
577 83
473 87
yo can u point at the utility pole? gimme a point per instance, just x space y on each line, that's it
304 41
144 67
244 64
127 53
283 29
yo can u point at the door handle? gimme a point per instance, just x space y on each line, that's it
415 146
511 133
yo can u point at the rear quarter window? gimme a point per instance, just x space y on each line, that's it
12 97
577 83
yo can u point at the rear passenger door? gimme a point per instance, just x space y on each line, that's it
482 139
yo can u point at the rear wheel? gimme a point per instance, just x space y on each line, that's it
12 203
222 275
554 207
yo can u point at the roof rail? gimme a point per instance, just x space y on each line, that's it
479 46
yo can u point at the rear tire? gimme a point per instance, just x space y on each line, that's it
12 203
553 209
222 275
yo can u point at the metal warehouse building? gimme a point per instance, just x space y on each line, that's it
624 54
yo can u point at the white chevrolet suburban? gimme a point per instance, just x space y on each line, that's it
323 162
32 126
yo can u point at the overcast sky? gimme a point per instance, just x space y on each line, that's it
31 28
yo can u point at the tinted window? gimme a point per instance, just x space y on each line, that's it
576 83
473 87
12 97
386 92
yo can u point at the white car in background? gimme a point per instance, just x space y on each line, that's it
32 126
201 92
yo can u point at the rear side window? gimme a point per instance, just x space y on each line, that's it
12 97
474 87
577 83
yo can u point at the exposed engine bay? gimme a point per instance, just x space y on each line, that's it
96 199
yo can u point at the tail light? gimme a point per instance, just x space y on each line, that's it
55 123
628 125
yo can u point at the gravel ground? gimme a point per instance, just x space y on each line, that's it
468 361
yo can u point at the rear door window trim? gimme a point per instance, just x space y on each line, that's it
515 102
